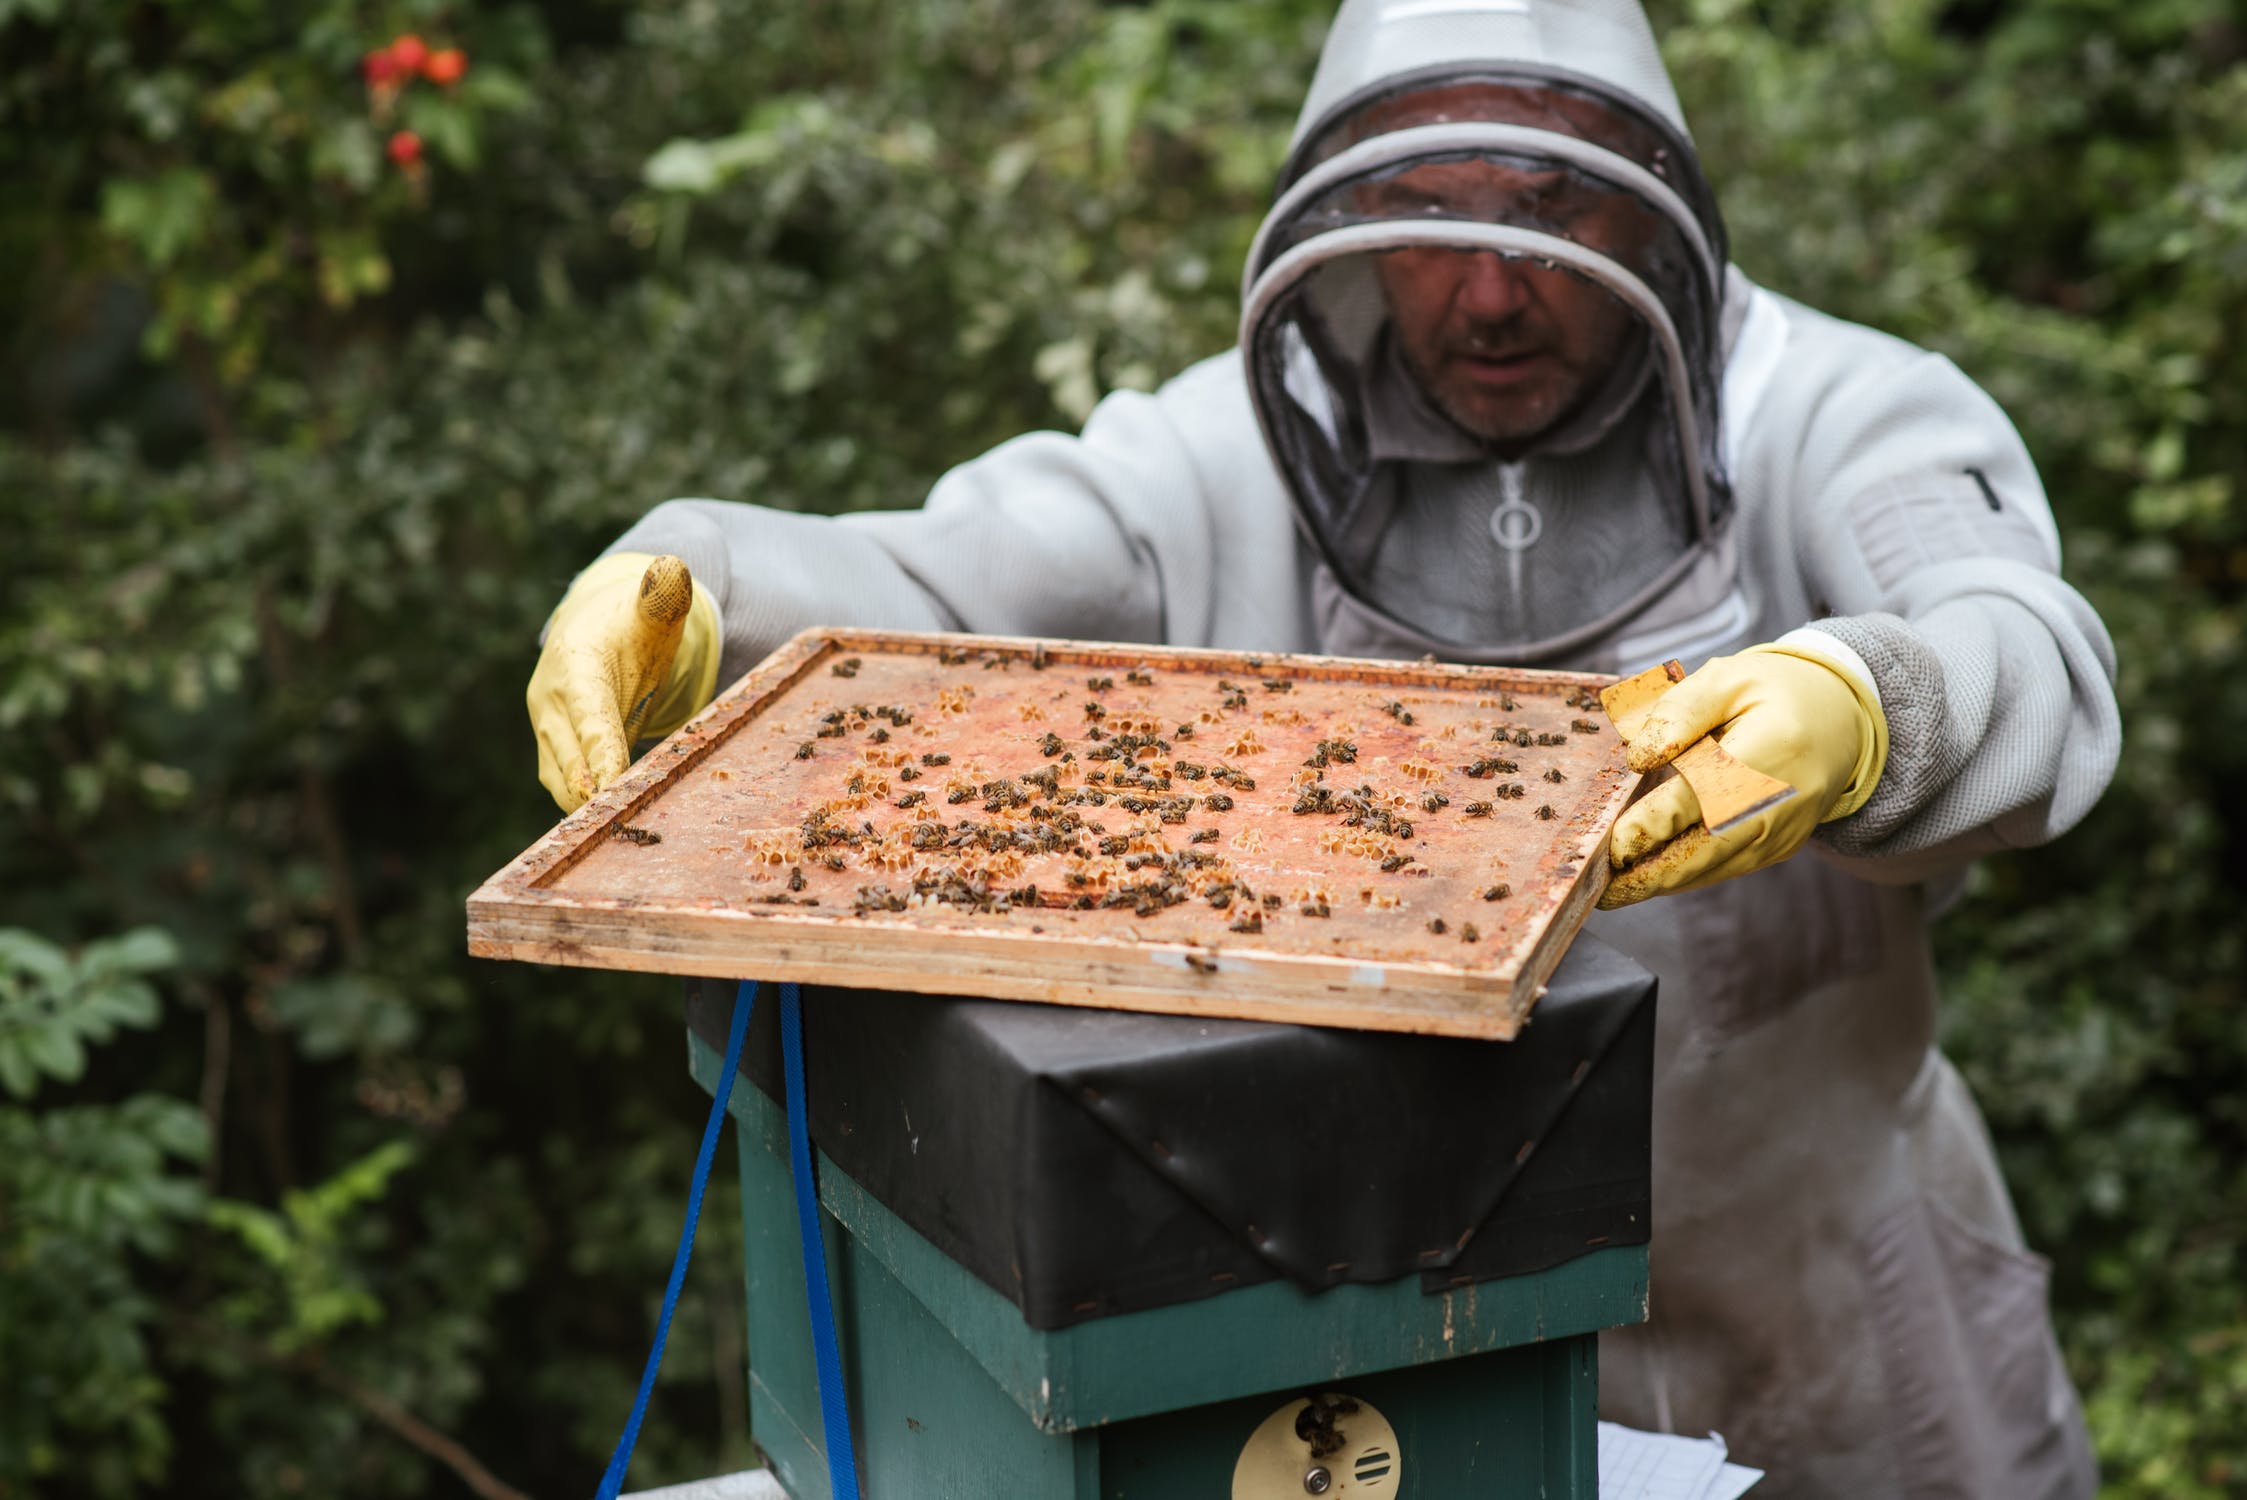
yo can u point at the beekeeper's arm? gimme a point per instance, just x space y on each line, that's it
1955 697
1105 536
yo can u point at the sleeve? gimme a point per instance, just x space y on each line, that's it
1924 532
1102 536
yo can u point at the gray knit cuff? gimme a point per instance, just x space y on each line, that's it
1923 756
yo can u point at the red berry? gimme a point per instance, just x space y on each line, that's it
409 52
405 148
445 67
379 67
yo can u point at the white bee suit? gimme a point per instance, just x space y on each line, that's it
1839 1282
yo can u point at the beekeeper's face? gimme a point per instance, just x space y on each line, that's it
1507 348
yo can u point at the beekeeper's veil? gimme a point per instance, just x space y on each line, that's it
1537 142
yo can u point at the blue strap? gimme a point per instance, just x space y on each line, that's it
745 1000
834 1405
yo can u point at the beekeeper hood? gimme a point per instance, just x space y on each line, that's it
1491 284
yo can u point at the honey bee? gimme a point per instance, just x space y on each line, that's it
847 667
1438 926
1038 658
795 877
1140 677
1467 933
1545 811
804 751
936 758
1480 809
1583 726
1498 892
1553 775
1100 684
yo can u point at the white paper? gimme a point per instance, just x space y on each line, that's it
1732 1482
1637 1465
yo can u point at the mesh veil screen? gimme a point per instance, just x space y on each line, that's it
1490 370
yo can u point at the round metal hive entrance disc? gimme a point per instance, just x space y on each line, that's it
1328 1445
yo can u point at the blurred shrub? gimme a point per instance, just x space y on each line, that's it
89 1193
307 442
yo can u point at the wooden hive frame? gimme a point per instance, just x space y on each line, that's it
675 867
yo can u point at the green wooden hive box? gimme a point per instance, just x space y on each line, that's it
1093 1255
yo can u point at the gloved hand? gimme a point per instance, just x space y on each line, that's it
1787 710
631 652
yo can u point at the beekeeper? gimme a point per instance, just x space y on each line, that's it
1500 396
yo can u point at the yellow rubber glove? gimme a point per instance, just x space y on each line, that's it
1780 709
631 652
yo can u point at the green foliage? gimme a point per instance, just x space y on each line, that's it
306 444
313 1292
89 1193
52 1005
237 171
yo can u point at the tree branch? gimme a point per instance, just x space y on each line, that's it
415 1431
401 1422
218 1060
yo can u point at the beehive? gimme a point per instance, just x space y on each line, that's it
1351 843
